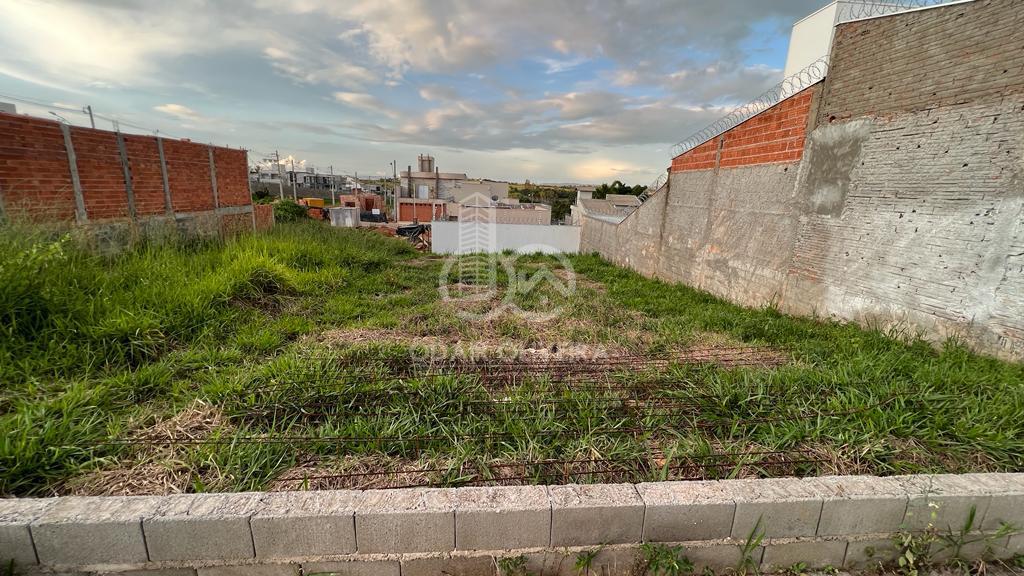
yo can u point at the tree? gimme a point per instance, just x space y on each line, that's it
617 187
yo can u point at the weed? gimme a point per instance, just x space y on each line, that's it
663 560
747 563
584 560
797 569
289 211
512 566
93 344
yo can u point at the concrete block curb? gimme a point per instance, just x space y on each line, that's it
251 570
305 524
353 568
15 536
502 518
686 511
839 521
860 505
786 507
449 565
813 553
202 527
945 500
405 521
79 531
585 514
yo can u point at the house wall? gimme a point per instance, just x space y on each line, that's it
472 237
890 194
115 184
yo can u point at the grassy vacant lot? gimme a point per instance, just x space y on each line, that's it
285 361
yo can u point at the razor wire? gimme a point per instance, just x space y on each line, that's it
849 10
808 76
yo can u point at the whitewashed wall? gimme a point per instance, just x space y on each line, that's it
470 237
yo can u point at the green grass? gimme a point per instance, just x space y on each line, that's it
96 348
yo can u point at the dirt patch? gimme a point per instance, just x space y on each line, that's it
152 468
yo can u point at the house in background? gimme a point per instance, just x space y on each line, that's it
428 194
612 208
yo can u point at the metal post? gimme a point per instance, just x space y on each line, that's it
213 178
168 204
280 174
88 110
295 181
76 184
127 169
332 184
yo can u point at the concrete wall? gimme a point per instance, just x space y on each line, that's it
829 521
471 237
117 185
903 203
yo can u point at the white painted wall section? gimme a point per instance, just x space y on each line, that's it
473 237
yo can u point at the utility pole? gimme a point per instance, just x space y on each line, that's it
394 185
295 184
332 184
280 174
88 110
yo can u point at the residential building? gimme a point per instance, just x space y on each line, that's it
427 194
612 208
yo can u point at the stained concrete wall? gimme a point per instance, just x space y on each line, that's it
830 521
906 207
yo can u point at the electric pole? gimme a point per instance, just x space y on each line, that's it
88 110
280 175
295 184
331 167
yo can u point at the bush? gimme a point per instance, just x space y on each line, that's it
289 211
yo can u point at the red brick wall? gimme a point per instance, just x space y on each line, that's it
232 177
702 157
101 173
188 170
264 216
35 178
35 181
147 180
775 135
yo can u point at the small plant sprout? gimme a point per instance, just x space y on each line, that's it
512 566
663 560
747 564
584 561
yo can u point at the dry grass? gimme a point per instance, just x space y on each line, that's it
151 468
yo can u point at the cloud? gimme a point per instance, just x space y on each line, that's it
179 111
556 66
445 74
438 92
364 101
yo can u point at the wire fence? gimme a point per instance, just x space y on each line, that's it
815 72
810 75
849 10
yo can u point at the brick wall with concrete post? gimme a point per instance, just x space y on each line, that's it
840 521
118 186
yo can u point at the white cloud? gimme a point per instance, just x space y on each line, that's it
179 111
364 101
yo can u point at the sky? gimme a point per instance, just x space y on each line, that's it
584 91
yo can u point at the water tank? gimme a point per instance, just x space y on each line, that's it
426 163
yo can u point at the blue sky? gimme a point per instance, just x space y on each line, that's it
551 91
